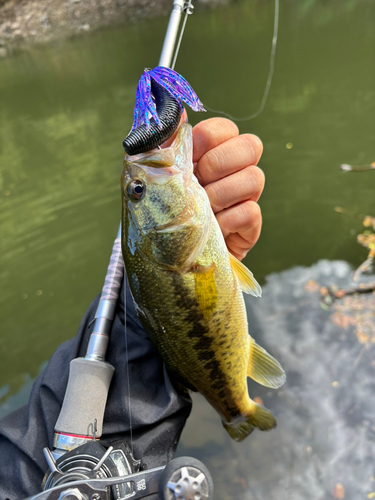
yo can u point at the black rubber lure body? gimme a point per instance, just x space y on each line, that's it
169 110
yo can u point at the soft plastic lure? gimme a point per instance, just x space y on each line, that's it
158 108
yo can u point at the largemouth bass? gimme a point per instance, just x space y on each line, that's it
187 287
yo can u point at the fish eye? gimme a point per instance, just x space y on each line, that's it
136 189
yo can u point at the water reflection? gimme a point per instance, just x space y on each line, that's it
14 401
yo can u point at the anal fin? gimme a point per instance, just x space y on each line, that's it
264 368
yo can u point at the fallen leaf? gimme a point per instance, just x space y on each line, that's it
338 491
341 320
363 338
311 286
368 221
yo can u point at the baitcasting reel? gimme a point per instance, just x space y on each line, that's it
90 472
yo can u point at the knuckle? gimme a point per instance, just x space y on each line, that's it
249 181
257 179
214 194
254 224
217 124
252 213
227 125
211 162
253 146
252 182
241 254
261 177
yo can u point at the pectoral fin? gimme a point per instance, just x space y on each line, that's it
263 368
205 288
245 277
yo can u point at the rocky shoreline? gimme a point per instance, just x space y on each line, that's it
26 22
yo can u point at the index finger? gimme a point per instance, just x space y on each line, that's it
211 133
226 159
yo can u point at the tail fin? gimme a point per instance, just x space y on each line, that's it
244 425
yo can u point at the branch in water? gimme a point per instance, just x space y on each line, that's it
359 168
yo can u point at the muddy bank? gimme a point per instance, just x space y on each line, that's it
24 22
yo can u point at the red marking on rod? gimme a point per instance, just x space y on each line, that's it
75 435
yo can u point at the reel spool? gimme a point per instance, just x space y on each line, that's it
92 461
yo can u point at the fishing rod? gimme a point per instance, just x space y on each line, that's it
80 467
97 374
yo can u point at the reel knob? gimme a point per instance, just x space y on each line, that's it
186 478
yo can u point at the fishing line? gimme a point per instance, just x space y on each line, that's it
127 364
189 9
269 78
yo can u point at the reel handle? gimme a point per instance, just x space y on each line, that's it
82 412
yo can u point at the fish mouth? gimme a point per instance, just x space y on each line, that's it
158 166
157 158
167 161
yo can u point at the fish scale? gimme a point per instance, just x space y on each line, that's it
188 289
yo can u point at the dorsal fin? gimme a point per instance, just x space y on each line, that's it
246 280
264 368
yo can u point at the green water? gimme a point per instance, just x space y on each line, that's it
65 108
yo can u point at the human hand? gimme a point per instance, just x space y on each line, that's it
225 165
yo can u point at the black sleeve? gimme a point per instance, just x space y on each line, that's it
158 412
